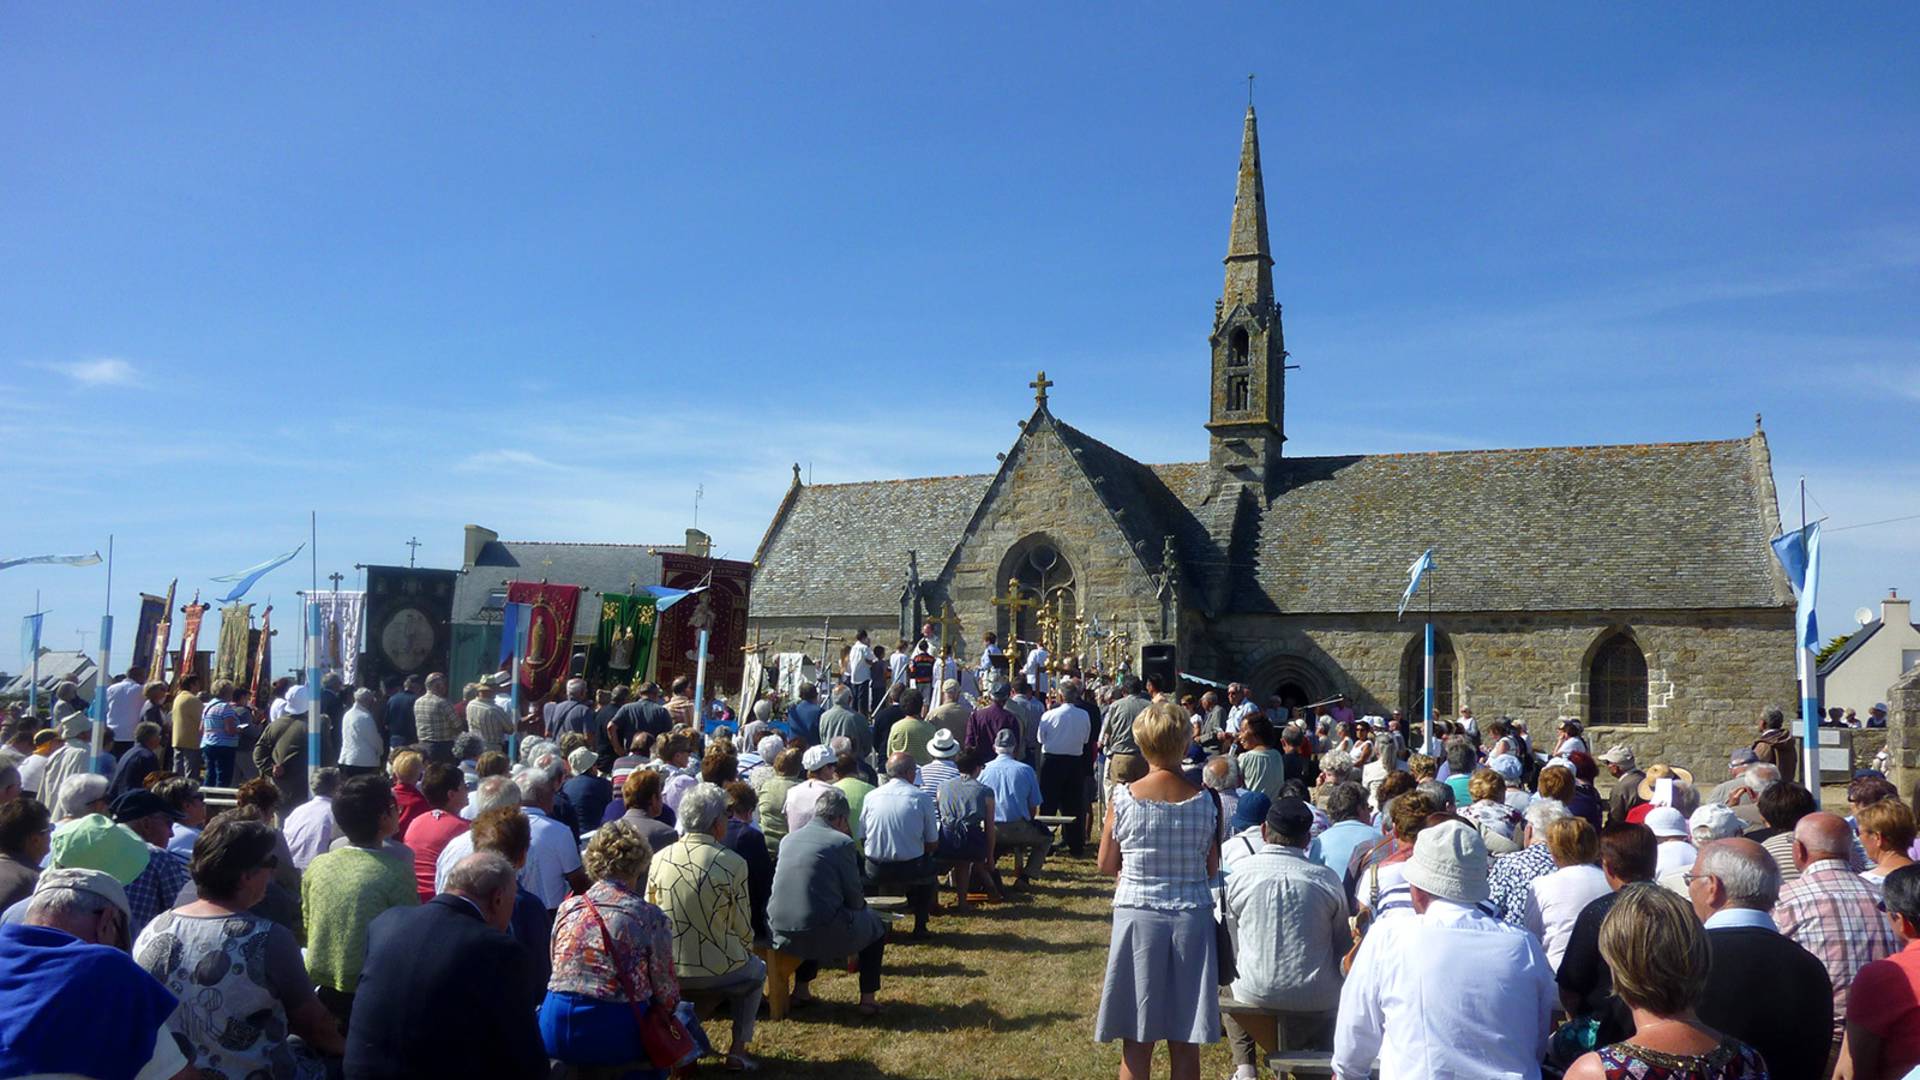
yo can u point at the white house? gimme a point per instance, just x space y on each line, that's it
1878 653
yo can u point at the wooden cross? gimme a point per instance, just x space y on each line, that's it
1040 385
757 644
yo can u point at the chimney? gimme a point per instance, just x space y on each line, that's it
477 537
699 544
1896 610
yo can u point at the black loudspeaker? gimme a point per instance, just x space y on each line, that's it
1159 662
577 664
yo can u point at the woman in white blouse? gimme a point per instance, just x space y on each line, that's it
1555 900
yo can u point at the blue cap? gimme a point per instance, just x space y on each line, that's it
1252 810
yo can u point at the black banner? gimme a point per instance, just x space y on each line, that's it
152 610
409 622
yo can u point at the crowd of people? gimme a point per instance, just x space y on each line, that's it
588 886
1472 906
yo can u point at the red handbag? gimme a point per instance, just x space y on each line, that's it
666 1040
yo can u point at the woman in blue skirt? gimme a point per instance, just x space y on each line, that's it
1162 840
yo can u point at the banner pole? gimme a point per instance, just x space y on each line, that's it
513 695
1426 695
100 681
33 679
315 724
700 684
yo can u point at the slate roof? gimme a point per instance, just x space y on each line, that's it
1668 525
1854 641
1680 526
595 567
56 666
841 549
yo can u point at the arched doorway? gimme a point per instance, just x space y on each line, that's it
1296 680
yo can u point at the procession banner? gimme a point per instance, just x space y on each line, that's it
340 622
260 687
190 640
162 637
409 623
550 616
233 649
623 648
152 610
720 609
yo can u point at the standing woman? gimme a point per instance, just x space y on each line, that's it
1162 843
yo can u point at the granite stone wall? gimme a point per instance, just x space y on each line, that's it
1710 674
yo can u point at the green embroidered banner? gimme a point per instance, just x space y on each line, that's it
623 649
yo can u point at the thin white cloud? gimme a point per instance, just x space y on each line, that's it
106 371
494 460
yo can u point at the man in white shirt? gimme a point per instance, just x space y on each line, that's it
361 750
309 828
553 857
860 660
124 699
1064 768
1419 982
493 793
1288 915
488 720
901 828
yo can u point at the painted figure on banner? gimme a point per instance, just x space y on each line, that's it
549 634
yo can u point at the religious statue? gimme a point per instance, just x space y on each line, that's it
623 645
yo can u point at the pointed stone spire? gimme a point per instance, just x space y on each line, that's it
1249 258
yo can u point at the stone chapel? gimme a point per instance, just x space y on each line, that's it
1628 586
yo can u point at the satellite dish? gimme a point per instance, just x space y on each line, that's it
1863 616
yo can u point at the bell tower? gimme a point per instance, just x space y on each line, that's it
1246 420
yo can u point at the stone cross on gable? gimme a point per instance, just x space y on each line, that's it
1040 385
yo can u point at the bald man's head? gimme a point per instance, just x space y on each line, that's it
1821 835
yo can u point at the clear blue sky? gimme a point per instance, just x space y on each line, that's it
548 271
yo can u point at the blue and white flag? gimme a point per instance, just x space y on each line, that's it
30 638
1799 555
88 559
1414 573
251 574
514 621
664 597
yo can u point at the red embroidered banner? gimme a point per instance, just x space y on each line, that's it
549 633
190 641
721 610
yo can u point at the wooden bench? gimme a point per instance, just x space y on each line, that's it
781 967
1263 1026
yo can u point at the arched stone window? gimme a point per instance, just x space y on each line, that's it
1237 348
1413 681
1044 575
1617 682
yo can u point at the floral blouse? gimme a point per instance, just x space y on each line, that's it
640 966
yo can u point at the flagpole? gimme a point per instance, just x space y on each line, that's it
1426 703
1809 696
316 725
33 684
700 683
100 682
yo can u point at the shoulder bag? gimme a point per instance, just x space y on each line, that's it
667 1042
1222 934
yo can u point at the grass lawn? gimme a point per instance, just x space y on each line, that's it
1007 990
